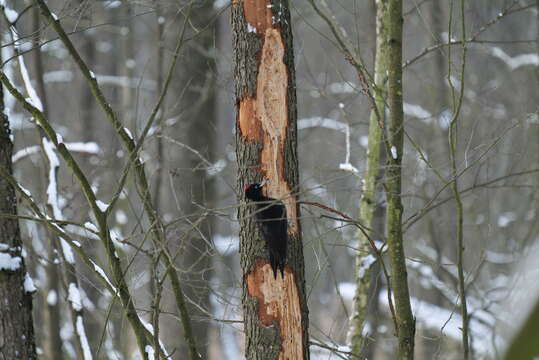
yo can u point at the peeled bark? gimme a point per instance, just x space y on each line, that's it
17 339
275 309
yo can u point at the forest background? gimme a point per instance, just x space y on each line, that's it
164 74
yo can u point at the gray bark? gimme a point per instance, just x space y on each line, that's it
266 146
399 279
17 339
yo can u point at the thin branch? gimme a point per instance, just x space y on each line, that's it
453 138
133 148
472 39
104 234
413 219
377 251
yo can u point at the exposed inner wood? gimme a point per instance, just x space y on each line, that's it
264 119
258 14
278 303
249 123
269 111
272 110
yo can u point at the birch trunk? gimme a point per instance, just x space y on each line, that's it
365 259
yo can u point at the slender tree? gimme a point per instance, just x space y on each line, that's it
459 208
364 257
399 282
275 309
17 339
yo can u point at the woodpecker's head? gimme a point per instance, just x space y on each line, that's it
254 191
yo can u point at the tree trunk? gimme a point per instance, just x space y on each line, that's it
51 338
364 258
399 283
275 309
16 329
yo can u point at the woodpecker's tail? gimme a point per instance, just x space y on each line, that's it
277 262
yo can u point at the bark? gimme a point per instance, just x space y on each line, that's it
16 329
364 258
399 283
275 310
53 341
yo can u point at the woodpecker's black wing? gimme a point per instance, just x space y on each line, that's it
271 216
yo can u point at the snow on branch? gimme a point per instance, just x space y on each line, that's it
54 164
325 123
416 111
33 97
104 277
347 166
328 123
150 329
63 76
52 195
514 62
76 299
81 332
82 147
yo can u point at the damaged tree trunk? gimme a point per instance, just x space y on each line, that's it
17 340
275 310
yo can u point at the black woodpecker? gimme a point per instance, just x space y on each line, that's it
271 217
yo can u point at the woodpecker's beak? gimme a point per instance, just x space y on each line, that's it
263 182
